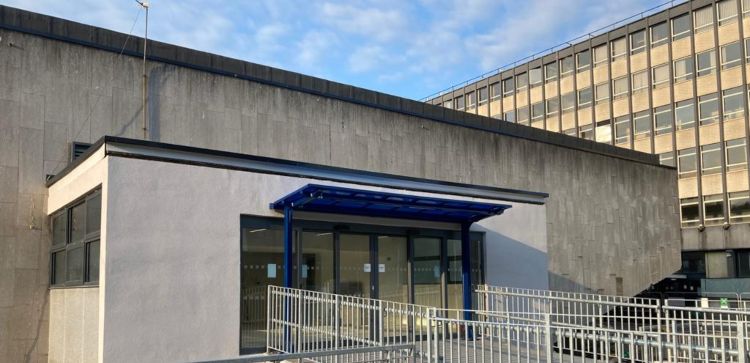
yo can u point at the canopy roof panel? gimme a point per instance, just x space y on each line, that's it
334 199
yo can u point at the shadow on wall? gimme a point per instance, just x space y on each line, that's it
513 263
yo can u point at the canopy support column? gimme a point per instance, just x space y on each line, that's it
288 244
466 267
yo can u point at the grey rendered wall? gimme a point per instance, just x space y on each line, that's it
172 256
615 217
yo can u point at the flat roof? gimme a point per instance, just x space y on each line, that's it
27 22
150 150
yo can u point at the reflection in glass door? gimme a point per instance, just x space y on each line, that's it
393 276
355 265
427 271
316 272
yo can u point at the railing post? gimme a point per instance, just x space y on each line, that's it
428 321
300 322
741 344
381 338
337 325
548 337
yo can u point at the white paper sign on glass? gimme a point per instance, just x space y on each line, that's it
271 270
381 268
367 267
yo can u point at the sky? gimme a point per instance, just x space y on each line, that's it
406 48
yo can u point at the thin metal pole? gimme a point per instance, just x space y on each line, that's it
145 5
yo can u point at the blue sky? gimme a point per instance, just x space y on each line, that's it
407 48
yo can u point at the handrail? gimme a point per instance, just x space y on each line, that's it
552 49
314 354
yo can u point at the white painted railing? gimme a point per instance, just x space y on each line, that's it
514 325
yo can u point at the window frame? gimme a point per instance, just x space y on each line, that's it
687 76
699 72
710 199
729 19
550 111
580 68
639 117
685 103
627 87
562 64
689 202
632 81
540 116
480 91
69 245
662 83
658 42
642 48
733 144
666 109
612 54
546 67
724 95
497 86
684 153
506 91
578 97
606 54
597 99
734 63
623 120
540 80
703 27
706 99
682 34
733 197
710 148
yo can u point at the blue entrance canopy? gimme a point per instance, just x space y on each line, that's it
333 199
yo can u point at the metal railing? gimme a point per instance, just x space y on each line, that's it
392 353
513 325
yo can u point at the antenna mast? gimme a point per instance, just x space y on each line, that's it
145 5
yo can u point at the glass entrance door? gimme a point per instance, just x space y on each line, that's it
355 265
393 276
428 272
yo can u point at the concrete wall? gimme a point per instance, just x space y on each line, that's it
74 325
171 291
602 214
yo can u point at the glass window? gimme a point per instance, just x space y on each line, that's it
77 215
687 162
600 54
660 75
583 59
689 212
584 97
694 263
662 120
92 261
736 154
732 103
566 65
659 34
667 158
620 87
684 114
747 48
713 209
726 11
510 116
711 158
552 106
570 132
427 271
739 207
568 101
640 80
316 272
602 92
448 104
587 132
74 265
703 19
60 228
495 90
522 80
604 132
706 62
622 129
638 42
535 76
537 111
508 87
642 123
716 264
482 95
618 48
708 109
459 103
731 55
681 27
472 97
683 69
550 72
93 214
522 115
745 7
58 268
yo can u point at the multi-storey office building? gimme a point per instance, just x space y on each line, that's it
669 84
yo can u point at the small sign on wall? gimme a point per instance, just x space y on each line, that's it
367 267
381 268
271 270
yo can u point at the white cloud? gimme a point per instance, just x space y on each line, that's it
372 22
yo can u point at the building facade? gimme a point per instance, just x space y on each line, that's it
675 84
64 85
